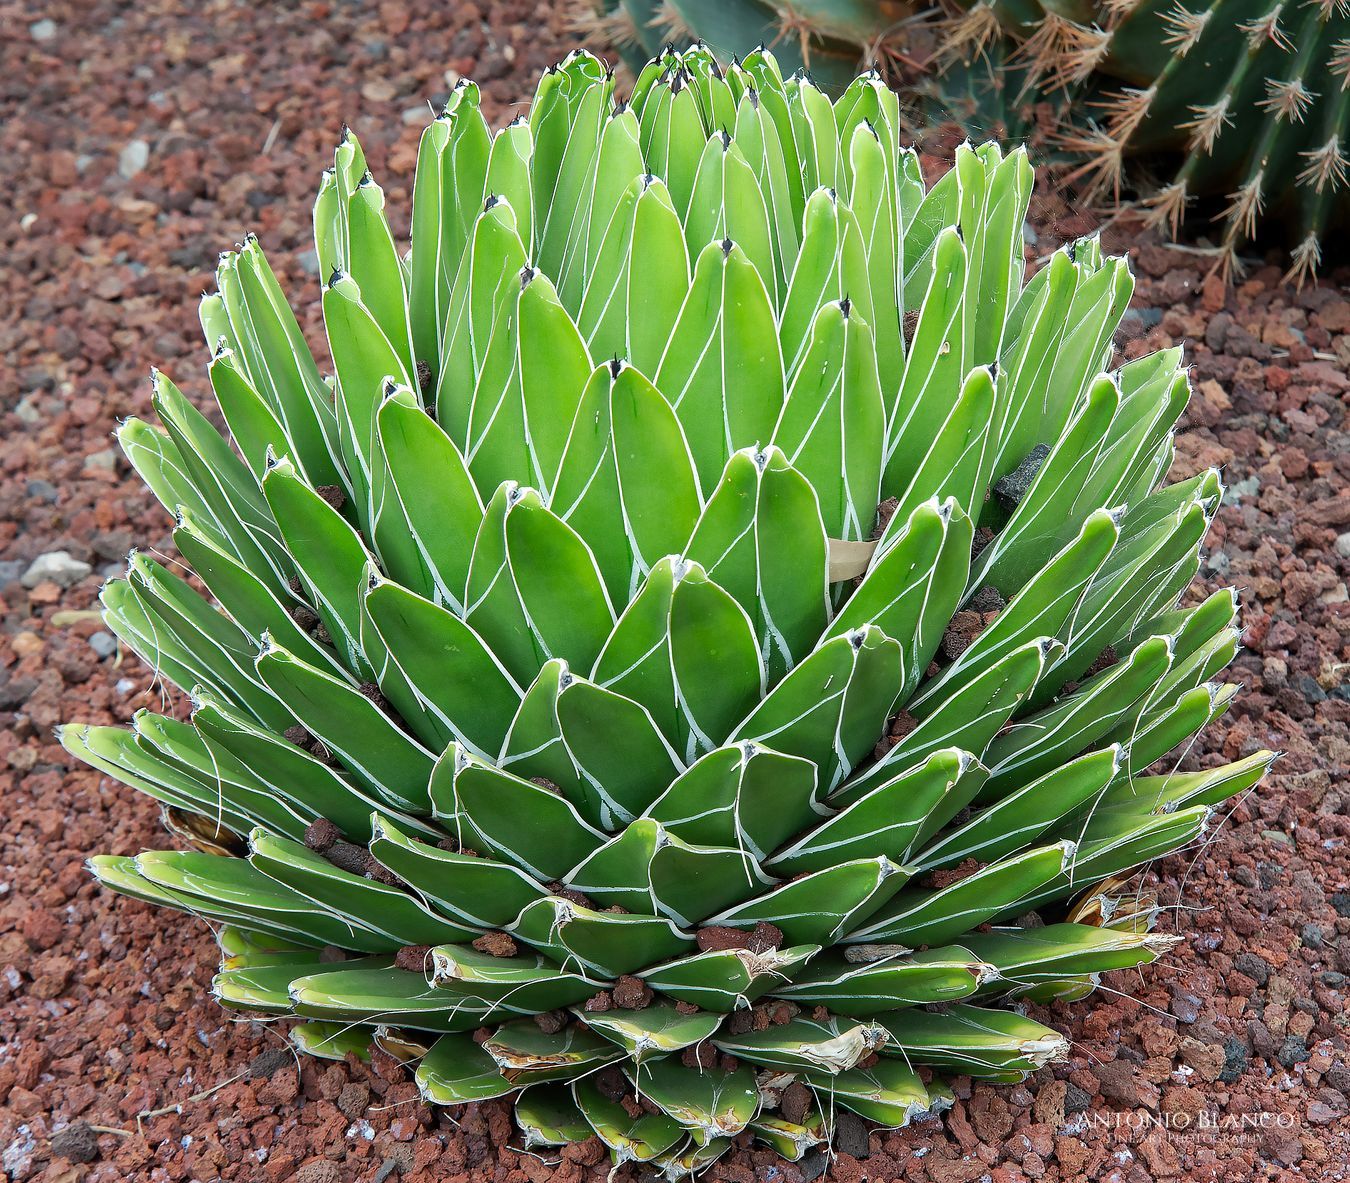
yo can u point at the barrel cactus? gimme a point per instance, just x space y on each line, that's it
1241 108
1253 100
709 640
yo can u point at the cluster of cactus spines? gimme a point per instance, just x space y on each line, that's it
1251 96
711 639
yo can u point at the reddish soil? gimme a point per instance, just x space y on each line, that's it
141 138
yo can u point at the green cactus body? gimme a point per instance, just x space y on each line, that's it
715 599
1252 97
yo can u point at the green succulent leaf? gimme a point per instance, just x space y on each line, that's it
709 1104
873 987
974 1041
889 1093
524 1053
722 980
653 1032
365 902
821 1045
605 943
458 1070
548 1116
630 1139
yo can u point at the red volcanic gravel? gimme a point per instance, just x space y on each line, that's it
139 139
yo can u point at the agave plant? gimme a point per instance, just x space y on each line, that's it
705 644
1243 106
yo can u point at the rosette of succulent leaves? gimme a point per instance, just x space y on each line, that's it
713 642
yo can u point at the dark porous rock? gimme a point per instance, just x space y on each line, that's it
987 599
1253 966
550 1022
850 1134
265 1063
413 958
1235 1059
632 993
347 856
764 937
813 1164
321 835
795 1103
1009 490
495 944
1123 1083
1293 1051
1076 1100
77 1142
716 937
333 494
